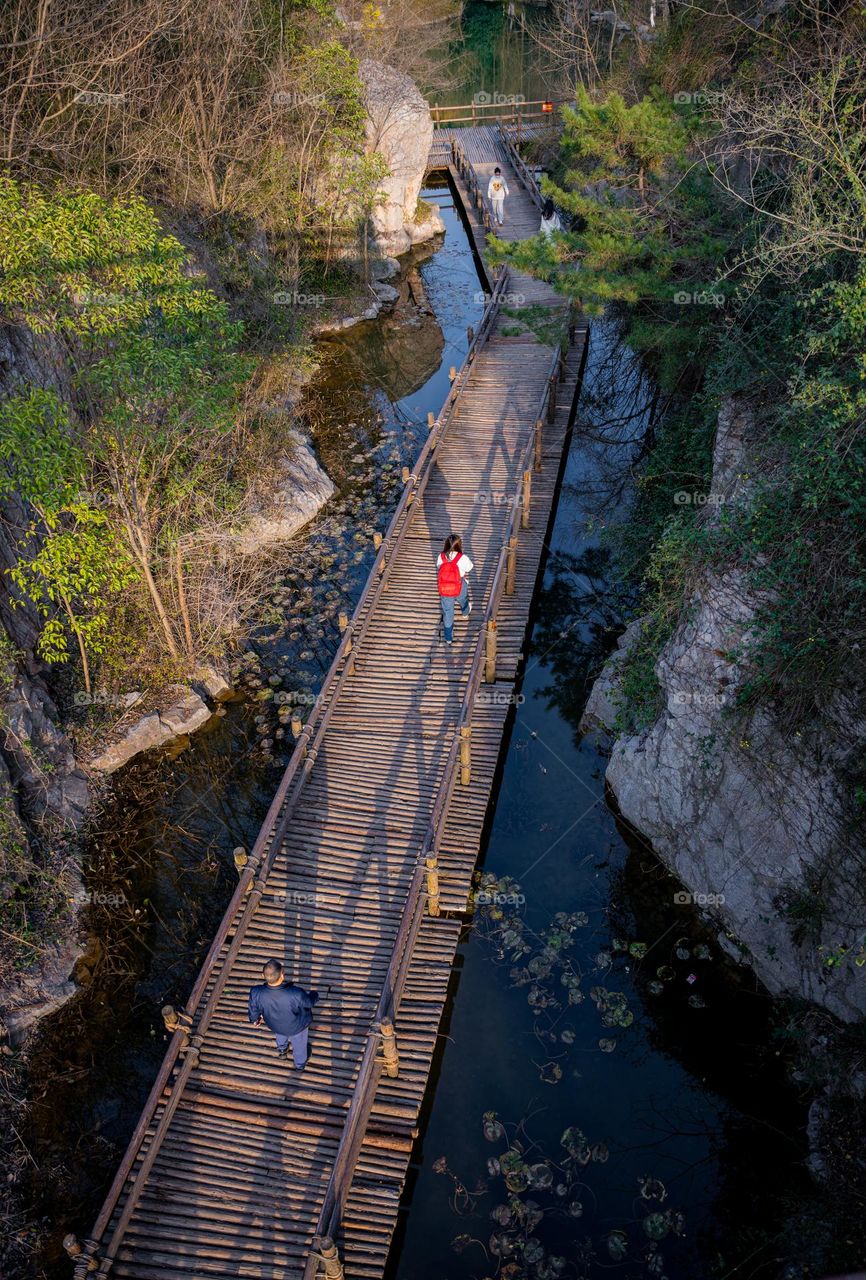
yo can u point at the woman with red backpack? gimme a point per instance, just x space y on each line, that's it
452 567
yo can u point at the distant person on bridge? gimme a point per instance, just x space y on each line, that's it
452 567
286 1009
497 190
549 220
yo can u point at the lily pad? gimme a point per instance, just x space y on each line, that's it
533 1251
617 1245
501 1214
656 1225
655 988
606 1045
459 1243
652 1188
637 949
665 973
551 1073
540 1176
500 1245
567 1036
697 1002
493 1128
600 1153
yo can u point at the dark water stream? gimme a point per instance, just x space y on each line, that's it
670 1080
632 1095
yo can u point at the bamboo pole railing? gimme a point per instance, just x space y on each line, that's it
388 1007
186 1040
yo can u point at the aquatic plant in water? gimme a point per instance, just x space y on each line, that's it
532 1191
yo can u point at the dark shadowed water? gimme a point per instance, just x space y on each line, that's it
635 1116
654 1059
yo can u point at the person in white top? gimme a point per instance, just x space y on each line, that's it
550 220
497 190
452 567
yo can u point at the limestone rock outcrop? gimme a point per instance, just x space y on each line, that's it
749 814
400 128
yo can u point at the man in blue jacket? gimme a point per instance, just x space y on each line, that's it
286 1009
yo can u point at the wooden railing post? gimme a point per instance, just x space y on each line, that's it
511 566
526 497
326 1251
176 1020
432 885
390 1057
551 399
490 653
539 443
465 755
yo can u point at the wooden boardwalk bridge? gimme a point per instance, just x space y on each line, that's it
359 878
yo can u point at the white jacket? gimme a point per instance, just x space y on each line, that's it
497 188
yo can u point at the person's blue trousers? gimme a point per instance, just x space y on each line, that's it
299 1046
448 603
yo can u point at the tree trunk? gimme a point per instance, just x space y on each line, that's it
181 600
139 550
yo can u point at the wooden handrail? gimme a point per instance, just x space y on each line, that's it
522 169
466 169
246 897
363 1095
487 112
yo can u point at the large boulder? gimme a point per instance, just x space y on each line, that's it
400 128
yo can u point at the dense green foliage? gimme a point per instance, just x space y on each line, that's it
755 292
159 379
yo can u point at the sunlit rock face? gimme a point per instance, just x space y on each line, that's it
400 128
748 812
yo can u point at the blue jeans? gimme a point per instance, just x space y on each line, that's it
448 603
299 1046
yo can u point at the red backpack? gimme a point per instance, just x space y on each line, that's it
450 582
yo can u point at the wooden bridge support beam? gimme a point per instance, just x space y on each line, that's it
539 443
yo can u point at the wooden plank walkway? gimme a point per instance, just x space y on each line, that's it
240 1167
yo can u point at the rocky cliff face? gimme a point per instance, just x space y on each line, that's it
43 792
400 128
750 816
